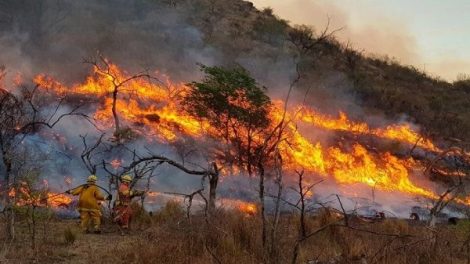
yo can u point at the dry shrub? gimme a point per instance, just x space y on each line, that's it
233 237
70 235
141 219
394 226
173 210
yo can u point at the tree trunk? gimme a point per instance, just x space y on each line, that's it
262 209
213 181
296 252
277 211
432 222
115 115
33 223
10 214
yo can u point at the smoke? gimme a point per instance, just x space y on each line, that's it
446 67
57 35
381 36
54 36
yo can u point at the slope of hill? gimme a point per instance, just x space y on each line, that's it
175 34
53 37
330 68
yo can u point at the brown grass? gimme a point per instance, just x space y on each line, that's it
232 237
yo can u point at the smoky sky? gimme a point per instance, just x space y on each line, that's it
55 36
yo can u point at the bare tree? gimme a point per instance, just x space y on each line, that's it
211 173
306 41
189 199
456 187
23 114
89 153
103 66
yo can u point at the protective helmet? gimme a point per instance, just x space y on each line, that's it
126 178
92 178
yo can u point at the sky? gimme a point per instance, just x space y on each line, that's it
432 35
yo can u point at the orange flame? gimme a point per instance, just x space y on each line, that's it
23 196
248 208
154 111
402 133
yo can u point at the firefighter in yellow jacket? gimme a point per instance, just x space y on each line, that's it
89 206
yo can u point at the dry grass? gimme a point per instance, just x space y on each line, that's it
232 237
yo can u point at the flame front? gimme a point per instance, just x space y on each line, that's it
402 133
24 196
154 111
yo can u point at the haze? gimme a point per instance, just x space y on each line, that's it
431 35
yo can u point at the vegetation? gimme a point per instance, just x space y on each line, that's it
234 237
376 83
232 102
236 105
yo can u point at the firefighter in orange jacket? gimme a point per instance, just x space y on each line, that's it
89 204
122 207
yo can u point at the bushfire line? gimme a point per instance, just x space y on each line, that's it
153 108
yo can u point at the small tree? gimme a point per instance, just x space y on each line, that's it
236 108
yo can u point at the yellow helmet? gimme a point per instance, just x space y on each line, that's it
126 178
92 178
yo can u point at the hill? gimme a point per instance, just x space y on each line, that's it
42 45
173 35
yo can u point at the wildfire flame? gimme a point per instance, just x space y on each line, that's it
402 133
152 109
248 208
24 196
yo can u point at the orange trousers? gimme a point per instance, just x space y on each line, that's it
123 215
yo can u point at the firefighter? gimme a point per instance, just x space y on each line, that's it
122 207
89 203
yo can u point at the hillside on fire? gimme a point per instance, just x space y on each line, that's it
204 131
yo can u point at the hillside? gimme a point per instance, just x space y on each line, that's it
375 83
330 68
247 140
234 32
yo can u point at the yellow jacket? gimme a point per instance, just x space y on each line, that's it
89 197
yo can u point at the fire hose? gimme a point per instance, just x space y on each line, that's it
109 198
102 188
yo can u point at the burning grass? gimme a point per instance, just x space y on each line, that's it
153 110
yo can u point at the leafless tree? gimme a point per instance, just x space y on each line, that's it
23 113
456 187
89 153
146 164
306 41
103 66
189 199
